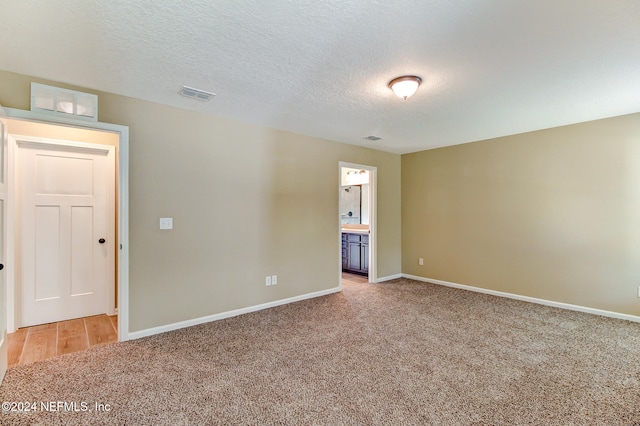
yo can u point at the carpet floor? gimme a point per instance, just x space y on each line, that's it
396 353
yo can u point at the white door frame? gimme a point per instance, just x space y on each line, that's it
4 344
123 212
373 219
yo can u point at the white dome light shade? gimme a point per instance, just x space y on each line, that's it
405 86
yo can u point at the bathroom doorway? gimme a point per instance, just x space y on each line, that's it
357 218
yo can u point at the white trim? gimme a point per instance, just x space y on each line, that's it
123 200
10 238
389 278
216 317
45 143
4 198
561 305
373 218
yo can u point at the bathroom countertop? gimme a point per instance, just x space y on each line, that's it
355 229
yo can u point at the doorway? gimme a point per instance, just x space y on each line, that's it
357 217
34 125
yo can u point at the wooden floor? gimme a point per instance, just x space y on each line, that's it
348 278
40 342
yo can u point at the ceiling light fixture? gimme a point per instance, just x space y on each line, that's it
405 86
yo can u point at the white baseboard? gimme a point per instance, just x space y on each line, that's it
545 302
209 318
388 278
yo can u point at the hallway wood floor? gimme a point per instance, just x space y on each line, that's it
40 342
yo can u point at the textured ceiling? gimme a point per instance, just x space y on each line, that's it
321 67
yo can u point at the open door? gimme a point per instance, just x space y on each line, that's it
3 248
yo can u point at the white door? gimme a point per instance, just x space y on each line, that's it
66 229
3 251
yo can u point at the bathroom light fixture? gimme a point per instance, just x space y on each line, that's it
356 177
405 86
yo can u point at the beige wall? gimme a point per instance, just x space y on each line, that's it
247 202
552 214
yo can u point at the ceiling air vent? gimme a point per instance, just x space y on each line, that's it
372 138
198 94
63 102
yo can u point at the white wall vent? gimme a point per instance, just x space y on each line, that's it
63 102
199 94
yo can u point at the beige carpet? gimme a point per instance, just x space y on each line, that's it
398 353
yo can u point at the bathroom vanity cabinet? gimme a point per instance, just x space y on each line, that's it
355 253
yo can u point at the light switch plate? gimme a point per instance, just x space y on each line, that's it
166 223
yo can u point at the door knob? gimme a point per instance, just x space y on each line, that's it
102 240
1 266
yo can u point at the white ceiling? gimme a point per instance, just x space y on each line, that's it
321 67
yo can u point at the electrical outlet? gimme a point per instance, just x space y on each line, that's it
274 279
638 291
267 281
421 261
